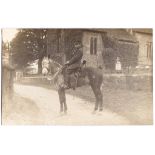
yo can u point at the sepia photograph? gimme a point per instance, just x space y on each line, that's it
77 76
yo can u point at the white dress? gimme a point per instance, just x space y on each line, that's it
118 66
45 66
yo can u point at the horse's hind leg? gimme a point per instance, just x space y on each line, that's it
100 100
95 90
100 94
96 105
99 97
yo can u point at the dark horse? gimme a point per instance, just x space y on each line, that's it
88 76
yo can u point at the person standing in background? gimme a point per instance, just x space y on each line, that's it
118 65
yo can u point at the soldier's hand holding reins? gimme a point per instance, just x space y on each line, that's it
67 63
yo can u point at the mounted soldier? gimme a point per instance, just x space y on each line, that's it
76 74
74 64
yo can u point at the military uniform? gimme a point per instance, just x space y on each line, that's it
73 64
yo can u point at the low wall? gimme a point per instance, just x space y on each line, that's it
116 81
7 83
35 80
133 81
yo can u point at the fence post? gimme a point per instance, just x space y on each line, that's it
7 83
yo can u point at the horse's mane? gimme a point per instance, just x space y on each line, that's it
55 76
58 68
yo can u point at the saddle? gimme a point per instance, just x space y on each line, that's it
76 75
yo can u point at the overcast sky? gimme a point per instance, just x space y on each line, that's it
8 34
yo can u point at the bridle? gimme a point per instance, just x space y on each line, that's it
60 68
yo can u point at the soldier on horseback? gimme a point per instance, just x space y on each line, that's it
73 64
88 75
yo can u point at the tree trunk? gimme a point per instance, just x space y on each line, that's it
62 46
40 66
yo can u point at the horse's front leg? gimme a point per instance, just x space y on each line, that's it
62 99
96 106
65 107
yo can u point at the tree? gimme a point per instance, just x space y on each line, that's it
29 45
127 51
110 51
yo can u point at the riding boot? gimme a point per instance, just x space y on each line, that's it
67 81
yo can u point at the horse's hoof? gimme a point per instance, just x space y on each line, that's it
61 113
99 112
94 112
65 112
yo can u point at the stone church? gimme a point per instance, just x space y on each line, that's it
101 47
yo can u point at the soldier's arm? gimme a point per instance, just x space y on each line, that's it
76 58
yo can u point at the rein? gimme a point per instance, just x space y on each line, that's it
59 70
57 63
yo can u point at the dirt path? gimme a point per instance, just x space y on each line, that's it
40 106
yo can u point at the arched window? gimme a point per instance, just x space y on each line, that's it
93 46
149 50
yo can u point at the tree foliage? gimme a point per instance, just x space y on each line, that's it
29 45
126 51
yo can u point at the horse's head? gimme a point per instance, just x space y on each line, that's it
49 66
54 67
